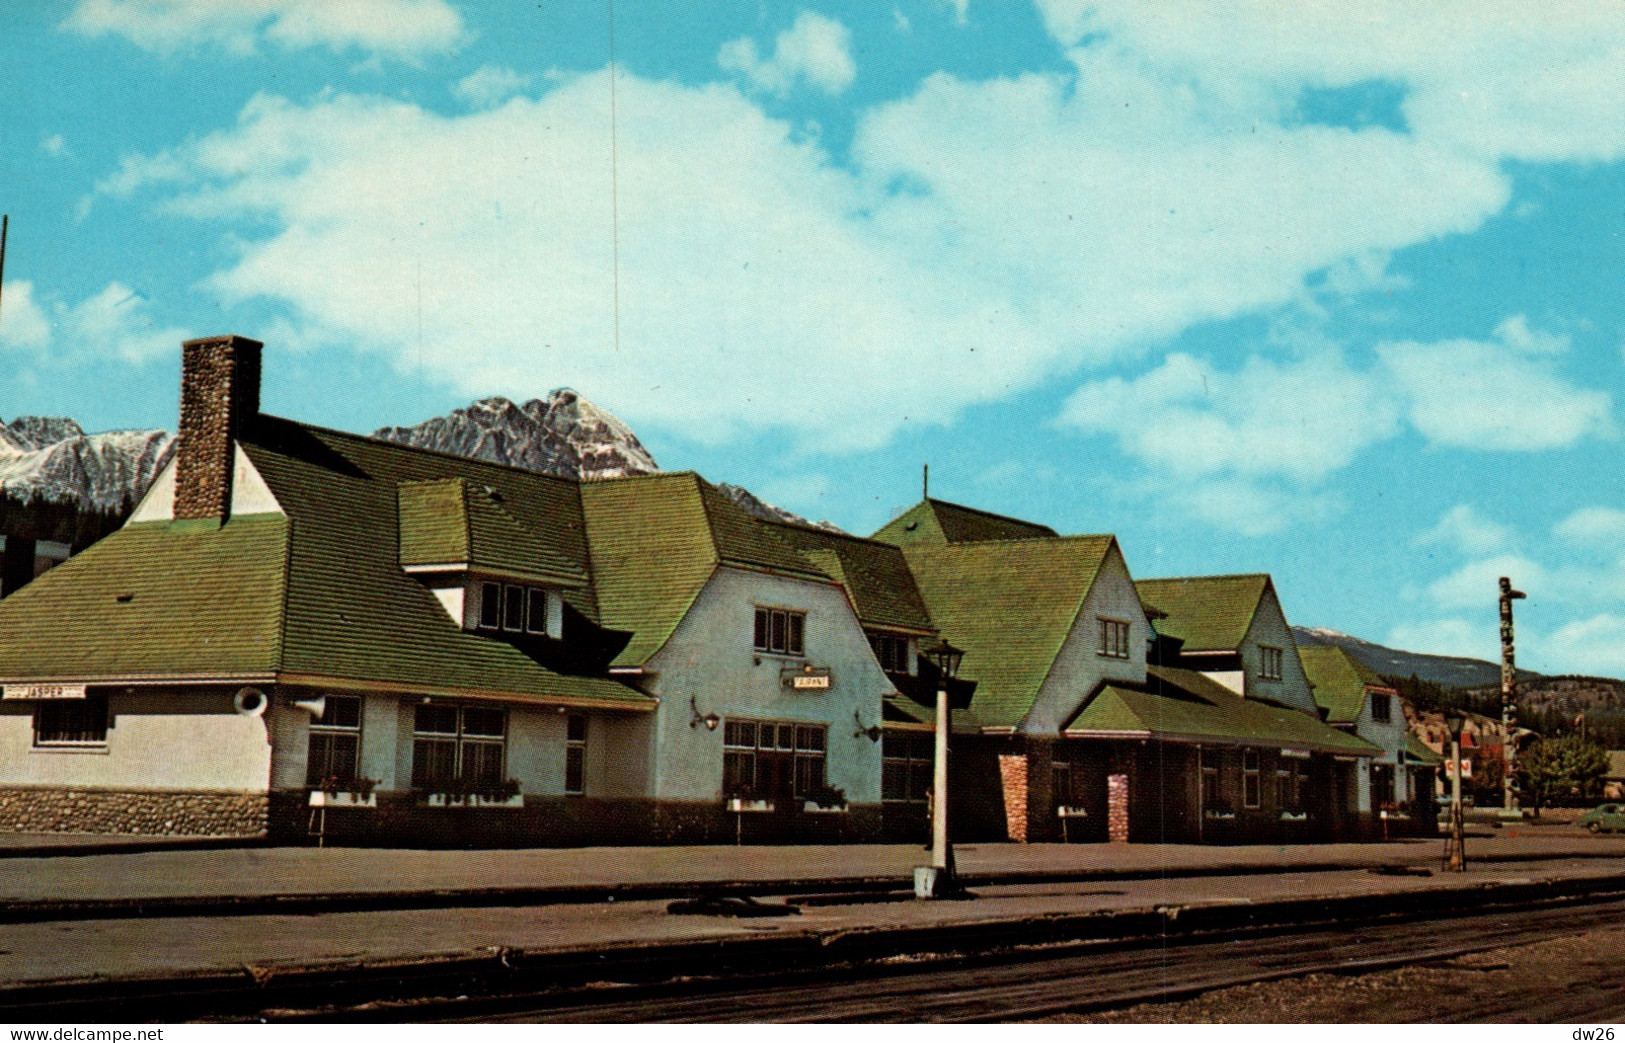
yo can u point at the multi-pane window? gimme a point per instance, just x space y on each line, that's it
1382 707
1271 669
1113 638
513 608
907 760
452 744
767 759
1285 800
892 651
575 753
71 722
780 631
334 755
1252 782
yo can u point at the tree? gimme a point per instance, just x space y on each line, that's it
1555 769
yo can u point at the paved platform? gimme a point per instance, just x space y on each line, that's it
238 873
262 946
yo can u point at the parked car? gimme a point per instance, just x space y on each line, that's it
1605 819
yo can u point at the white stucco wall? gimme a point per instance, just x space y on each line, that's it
1270 628
1079 668
249 493
1392 736
160 739
709 659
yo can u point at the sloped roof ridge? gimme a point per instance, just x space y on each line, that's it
931 548
1186 579
984 513
717 498
248 436
831 533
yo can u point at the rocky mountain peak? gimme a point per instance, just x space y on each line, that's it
27 433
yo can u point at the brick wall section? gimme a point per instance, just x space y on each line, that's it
144 814
1013 775
1117 808
220 390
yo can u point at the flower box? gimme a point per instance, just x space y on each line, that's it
342 799
812 807
748 805
1219 816
1294 816
1071 811
473 800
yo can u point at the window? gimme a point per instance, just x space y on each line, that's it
575 753
1382 785
907 761
453 744
780 631
536 617
334 755
1272 663
1113 638
513 608
491 606
1382 707
1285 800
1252 782
71 722
892 652
767 759
1210 780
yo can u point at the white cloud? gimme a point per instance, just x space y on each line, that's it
1467 531
489 85
816 49
115 324
960 8
1594 645
1476 583
54 145
1503 394
901 22
1593 527
1300 420
982 236
1478 638
408 29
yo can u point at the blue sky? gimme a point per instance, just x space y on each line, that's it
1330 294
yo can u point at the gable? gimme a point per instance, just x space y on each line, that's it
938 521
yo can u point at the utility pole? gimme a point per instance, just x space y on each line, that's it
1455 847
1509 691
5 225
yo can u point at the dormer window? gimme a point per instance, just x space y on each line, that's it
892 651
516 609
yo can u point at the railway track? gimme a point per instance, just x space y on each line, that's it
1024 984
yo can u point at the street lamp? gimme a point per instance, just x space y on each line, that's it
1455 844
937 879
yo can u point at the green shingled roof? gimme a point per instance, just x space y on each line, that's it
1183 705
1208 613
1417 751
938 521
151 601
656 540
351 613
1340 681
1010 604
875 575
453 521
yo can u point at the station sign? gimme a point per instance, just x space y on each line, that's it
808 679
43 691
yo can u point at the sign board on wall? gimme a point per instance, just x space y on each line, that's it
43 691
807 679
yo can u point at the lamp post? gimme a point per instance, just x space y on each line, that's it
937 879
1455 845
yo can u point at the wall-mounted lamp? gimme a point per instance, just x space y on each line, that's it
873 731
710 720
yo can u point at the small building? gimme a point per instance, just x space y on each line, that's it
1397 783
1072 734
301 630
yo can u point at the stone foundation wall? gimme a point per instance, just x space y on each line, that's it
1013 774
132 813
1117 802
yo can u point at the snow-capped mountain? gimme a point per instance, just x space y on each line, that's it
1454 671
53 458
563 434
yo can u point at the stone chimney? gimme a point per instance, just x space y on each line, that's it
220 393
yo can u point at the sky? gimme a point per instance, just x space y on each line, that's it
1327 290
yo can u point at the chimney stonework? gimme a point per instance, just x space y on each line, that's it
220 392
